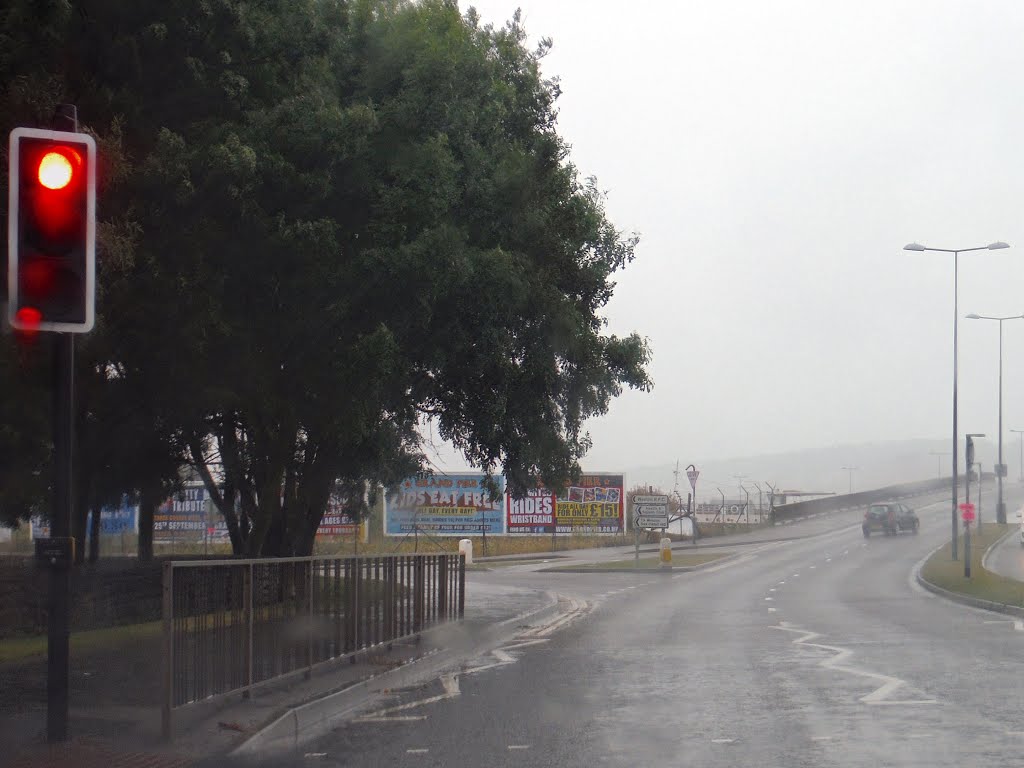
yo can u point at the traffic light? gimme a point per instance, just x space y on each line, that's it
51 237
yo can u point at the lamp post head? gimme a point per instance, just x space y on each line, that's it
918 247
998 245
973 316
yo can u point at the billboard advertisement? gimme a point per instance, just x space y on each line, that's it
445 505
182 518
593 504
123 518
337 522
534 513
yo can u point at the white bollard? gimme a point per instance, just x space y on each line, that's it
466 548
666 552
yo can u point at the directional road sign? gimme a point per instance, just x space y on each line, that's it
653 499
647 510
650 511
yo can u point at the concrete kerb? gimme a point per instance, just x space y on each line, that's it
1000 540
644 571
307 721
956 597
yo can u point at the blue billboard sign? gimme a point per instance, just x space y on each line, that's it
124 518
445 505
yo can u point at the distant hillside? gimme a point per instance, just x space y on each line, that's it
820 469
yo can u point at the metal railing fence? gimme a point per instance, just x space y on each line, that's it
232 625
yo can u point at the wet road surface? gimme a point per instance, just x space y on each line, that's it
810 652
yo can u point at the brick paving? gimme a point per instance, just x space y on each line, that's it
94 753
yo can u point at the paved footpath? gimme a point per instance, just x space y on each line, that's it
115 716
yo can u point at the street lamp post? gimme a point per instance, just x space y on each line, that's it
1020 432
1001 469
940 455
956 311
851 470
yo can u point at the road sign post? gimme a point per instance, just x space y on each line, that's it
967 513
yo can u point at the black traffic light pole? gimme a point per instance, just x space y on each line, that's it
57 650
58 659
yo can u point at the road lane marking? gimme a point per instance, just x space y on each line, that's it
722 741
1018 624
782 582
518 746
419 751
771 610
880 696
822 738
729 563
769 599
795 575
828 559
450 683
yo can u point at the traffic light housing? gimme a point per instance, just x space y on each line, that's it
51 236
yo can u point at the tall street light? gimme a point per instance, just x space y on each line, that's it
956 311
1001 469
940 455
851 470
1021 433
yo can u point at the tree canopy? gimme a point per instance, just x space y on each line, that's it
323 223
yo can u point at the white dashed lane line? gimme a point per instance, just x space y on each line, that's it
421 751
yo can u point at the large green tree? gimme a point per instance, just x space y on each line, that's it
331 221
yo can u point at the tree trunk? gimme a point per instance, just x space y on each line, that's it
94 535
147 507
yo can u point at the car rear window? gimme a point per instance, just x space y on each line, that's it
878 509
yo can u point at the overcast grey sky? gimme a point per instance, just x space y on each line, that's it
775 156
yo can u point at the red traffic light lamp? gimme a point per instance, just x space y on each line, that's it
51 232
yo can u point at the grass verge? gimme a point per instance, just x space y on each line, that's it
942 571
647 563
17 649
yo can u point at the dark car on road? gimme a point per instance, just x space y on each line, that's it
890 519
